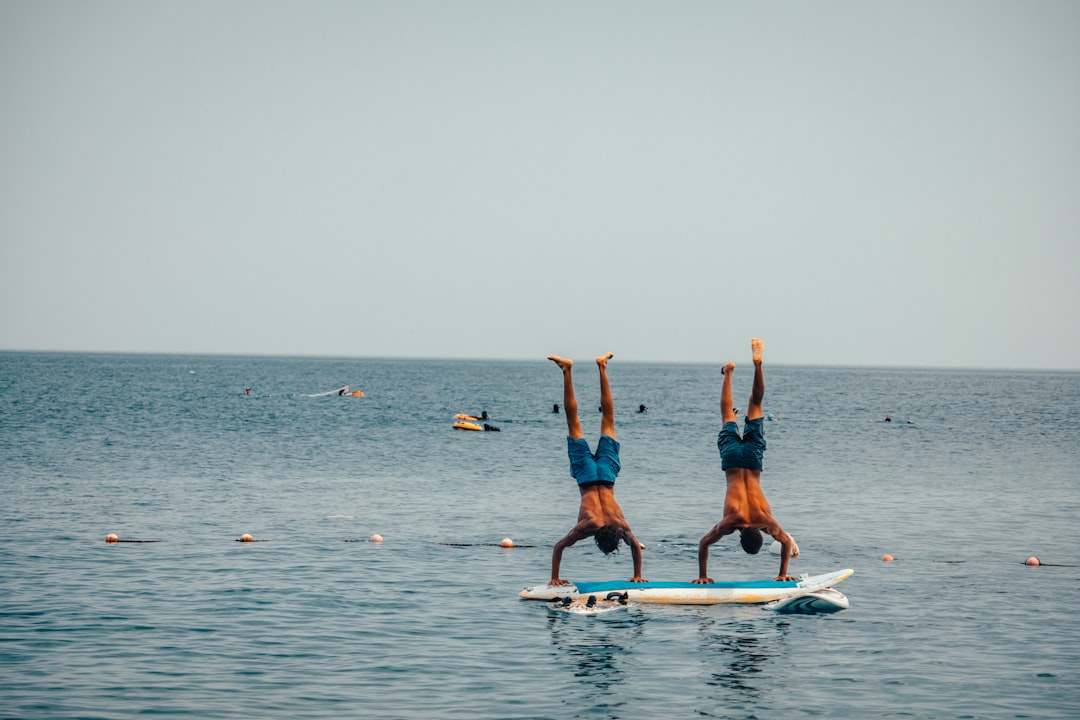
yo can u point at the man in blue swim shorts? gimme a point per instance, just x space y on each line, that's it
599 515
745 506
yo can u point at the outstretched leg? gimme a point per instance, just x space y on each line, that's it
757 392
607 405
727 411
573 423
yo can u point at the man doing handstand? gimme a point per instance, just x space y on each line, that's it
599 514
745 506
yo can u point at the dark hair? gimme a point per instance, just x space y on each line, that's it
608 538
751 540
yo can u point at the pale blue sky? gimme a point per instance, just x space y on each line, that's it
858 183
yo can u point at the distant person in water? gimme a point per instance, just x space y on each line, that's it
642 409
555 408
599 515
745 506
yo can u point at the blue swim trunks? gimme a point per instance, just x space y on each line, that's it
587 467
742 452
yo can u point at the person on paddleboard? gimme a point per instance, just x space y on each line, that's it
599 515
745 506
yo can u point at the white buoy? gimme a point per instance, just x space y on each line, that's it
376 538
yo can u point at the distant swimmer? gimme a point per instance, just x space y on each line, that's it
642 409
888 418
745 506
555 408
247 391
599 515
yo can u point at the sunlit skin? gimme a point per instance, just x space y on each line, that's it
745 505
598 505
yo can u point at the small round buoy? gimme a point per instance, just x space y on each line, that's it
112 538
506 543
1033 561
376 538
246 538
887 558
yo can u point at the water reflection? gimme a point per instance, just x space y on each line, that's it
598 650
738 654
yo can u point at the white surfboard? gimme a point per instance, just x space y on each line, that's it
688 593
328 393
819 602
590 604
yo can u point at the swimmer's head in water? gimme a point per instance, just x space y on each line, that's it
751 540
608 538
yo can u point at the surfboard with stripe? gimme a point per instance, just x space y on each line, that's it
688 593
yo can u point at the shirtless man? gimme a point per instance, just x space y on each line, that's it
745 506
599 515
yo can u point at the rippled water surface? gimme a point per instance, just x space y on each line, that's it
977 471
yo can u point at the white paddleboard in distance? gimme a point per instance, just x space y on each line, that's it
819 602
688 593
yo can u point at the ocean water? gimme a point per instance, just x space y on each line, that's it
977 471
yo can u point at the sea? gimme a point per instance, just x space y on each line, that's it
975 472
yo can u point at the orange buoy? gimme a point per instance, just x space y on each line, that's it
1033 561
506 543
246 538
887 558
112 538
376 538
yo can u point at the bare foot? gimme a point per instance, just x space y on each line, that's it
561 362
756 346
727 368
602 360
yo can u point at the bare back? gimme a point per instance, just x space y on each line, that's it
599 507
744 503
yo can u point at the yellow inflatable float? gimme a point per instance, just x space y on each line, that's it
465 425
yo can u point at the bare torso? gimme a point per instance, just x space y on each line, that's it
599 507
745 504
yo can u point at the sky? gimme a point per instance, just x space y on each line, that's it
859 183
